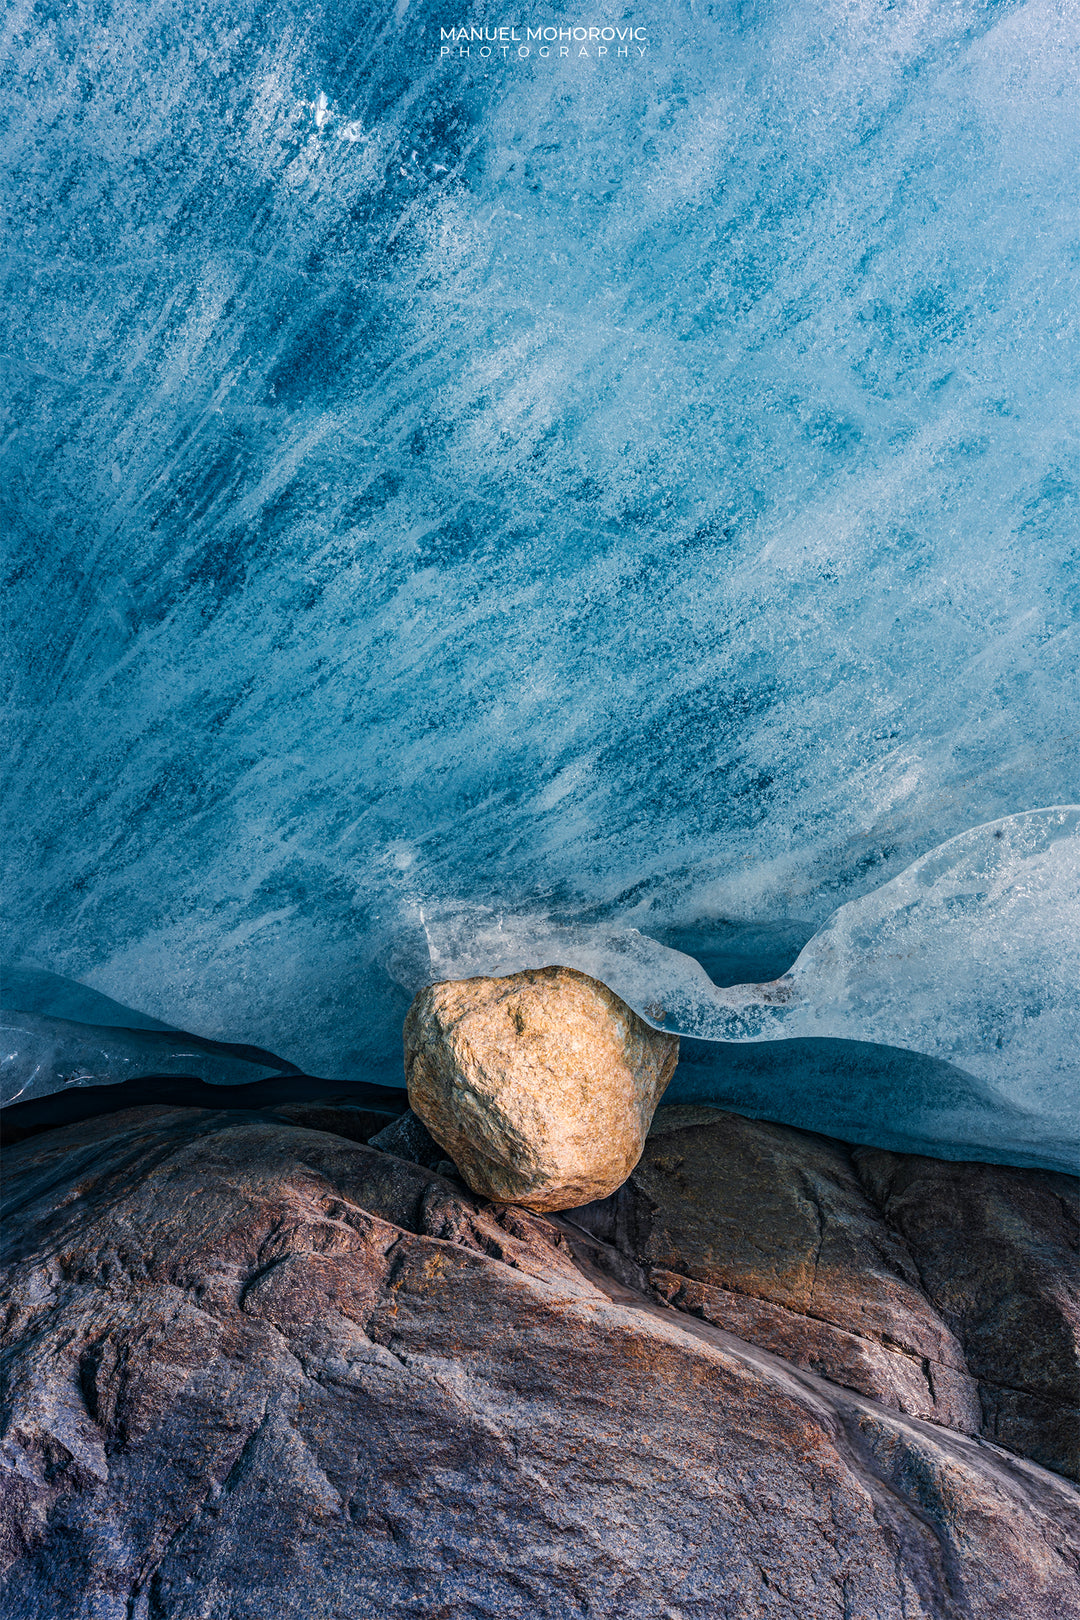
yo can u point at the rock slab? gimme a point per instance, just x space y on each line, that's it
998 1253
949 1291
255 1370
540 1086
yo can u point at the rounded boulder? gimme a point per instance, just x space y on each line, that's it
540 1086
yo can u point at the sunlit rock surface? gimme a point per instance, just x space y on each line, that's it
541 1087
947 1290
255 1370
633 494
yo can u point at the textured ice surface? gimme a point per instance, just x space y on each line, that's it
971 956
43 1055
47 995
639 495
879 1095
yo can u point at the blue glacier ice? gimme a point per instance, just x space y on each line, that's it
40 1056
636 499
970 957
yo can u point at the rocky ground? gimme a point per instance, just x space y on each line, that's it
255 1368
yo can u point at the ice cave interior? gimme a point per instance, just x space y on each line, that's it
469 512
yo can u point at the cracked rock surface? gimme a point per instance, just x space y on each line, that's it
258 1370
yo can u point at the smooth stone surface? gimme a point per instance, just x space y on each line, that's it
946 1290
359 1109
540 1086
255 1371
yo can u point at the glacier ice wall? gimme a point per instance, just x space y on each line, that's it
632 494
40 1056
970 957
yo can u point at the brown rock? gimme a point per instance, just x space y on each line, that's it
998 1255
948 1291
541 1086
255 1371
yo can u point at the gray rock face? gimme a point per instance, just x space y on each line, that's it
255 1371
409 1138
540 1086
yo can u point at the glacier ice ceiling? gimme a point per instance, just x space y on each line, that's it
587 495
